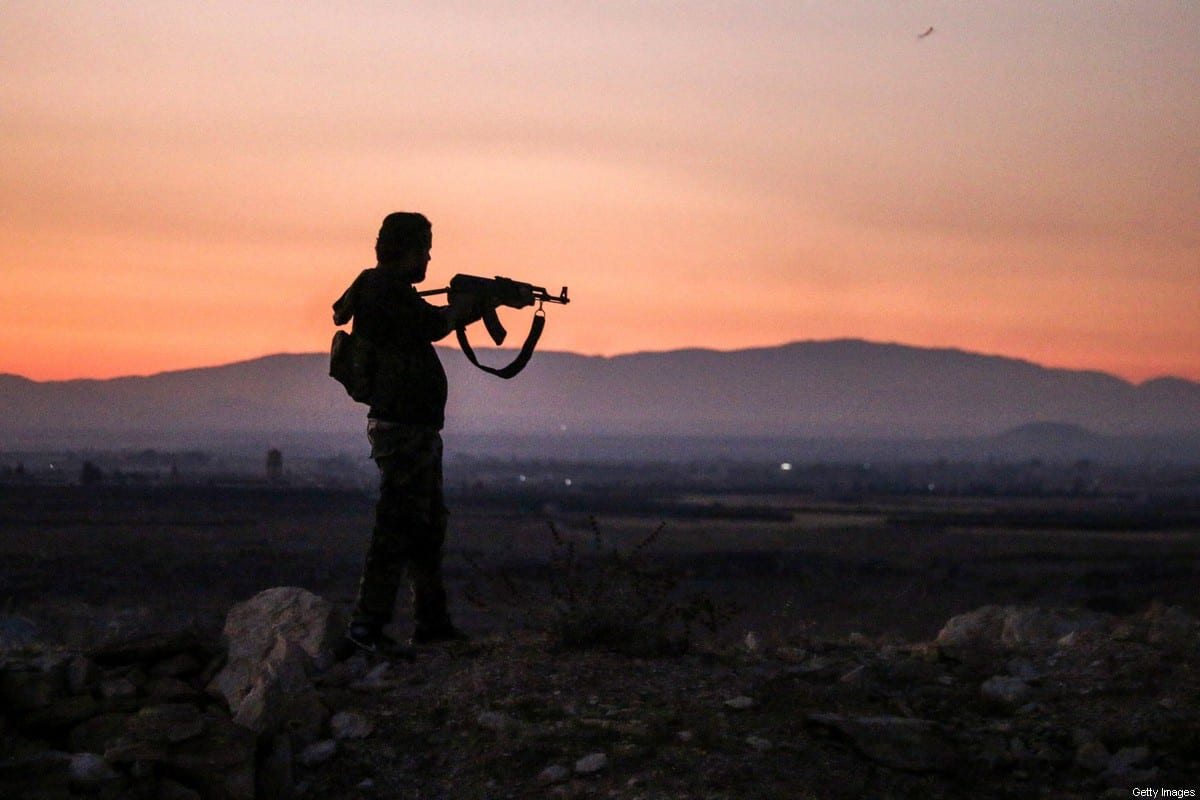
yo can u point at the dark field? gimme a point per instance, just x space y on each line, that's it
838 693
87 563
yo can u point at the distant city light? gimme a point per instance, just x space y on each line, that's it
786 466
522 478
567 482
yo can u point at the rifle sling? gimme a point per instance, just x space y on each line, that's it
518 363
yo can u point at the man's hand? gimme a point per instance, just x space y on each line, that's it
465 308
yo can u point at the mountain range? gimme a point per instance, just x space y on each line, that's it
840 389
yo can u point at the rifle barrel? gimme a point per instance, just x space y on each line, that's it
539 293
542 295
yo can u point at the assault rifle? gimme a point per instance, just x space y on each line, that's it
500 291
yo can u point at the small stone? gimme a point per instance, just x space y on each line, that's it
495 721
1125 759
172 790
117 688
1024 669
1069 640
81 674
1006 691
378 672
26 690
94 735
758 743
169 722
926 652
17 631
350 725
740 703
685 736
854 676
751 642
792 655
591 764
1092 756
555 773
378 678
318 752
64 712
169 688
90 770
173 667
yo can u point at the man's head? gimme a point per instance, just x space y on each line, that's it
404 241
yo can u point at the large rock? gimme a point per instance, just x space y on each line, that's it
1015 627
282 696
287 612
276 640
1043 627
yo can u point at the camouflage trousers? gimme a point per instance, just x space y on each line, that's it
410 526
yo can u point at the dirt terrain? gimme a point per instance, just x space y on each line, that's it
822 678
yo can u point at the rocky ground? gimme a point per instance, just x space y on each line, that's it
142 655
1006 702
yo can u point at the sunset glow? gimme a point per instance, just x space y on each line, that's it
193 184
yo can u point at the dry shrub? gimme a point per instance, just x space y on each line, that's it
599 597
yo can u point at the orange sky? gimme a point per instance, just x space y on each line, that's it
193 184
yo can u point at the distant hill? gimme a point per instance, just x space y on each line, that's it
843 389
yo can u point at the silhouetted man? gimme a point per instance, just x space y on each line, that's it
407 410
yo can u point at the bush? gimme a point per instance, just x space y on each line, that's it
606 598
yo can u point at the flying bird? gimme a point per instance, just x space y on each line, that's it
926 33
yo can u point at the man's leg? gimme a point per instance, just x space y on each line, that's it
383 569
404 455
430 614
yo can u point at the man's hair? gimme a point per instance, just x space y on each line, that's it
401 232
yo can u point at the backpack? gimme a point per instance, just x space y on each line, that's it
351 363
351 357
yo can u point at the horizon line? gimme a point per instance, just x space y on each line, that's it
667 351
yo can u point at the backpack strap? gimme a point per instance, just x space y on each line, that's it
518 363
